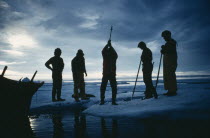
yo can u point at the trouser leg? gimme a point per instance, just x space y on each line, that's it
54 89
165 73
103 87
59 86
75 78
58 93
53 93
148 83
113 84
76 90
170 82
172 77
82 86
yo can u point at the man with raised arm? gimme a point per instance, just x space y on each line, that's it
56 67
169 63
109 72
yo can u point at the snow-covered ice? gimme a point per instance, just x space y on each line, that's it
192 101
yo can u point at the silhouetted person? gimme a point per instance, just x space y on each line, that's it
57 68
109 72
147 69
169 63
78 70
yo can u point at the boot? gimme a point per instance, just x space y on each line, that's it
76 97
83 96
54 100
114 101
59 95
60 99
114 95
102 102
102 96
82 93
171 94
53 95
148 94
154 92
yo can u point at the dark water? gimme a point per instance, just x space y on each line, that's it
77 125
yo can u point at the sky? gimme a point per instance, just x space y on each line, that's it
30 30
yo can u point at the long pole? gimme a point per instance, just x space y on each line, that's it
5 68
33 76
136 79
110 36
158 71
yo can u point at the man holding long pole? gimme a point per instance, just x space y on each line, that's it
169 63
109 71
147 69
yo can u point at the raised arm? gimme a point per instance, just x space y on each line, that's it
106 47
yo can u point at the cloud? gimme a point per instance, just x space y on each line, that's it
4 4
11 63
13 52
31 30
21 40
154 45
90 20
199 72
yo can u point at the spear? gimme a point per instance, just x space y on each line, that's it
110 33
33 76
158 72
136 79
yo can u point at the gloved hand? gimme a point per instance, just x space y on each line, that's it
109 43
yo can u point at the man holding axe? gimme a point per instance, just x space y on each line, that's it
109 71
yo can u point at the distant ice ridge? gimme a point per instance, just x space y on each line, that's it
190 103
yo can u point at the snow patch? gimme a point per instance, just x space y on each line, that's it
188 103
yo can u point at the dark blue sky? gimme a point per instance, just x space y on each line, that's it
32 29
